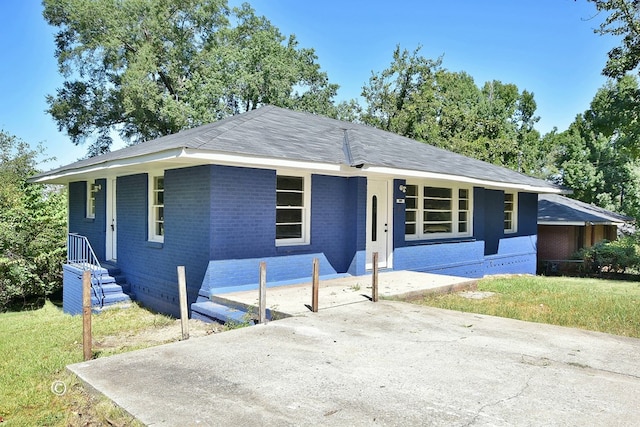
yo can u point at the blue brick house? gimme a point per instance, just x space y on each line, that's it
285 187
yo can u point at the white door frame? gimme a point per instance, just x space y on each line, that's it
111 240
381 188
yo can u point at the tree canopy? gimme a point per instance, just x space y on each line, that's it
418 98
596 156
147 68
623 20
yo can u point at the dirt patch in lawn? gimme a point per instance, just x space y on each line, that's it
476 294
153 336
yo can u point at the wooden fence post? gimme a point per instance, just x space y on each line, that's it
182 293
86 315
315 285
374 278
262 299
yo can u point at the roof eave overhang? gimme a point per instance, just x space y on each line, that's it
459 178
180 157
66 175
579 223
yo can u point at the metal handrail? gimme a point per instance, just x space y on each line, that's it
81 254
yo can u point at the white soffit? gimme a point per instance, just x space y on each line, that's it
457 178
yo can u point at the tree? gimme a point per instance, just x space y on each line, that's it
418 98
147 68
623 20
32 226
400 99
598 153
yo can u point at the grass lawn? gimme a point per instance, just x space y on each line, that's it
35 347
598 305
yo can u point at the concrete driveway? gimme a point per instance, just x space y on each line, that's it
385 363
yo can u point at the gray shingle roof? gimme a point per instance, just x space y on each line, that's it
556 208
284 134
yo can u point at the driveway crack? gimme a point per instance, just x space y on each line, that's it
498 402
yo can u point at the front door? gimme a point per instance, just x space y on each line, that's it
112 234
378 226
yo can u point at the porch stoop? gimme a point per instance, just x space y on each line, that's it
106 291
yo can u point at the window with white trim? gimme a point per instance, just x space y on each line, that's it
156 208
437 211
92 189
292 209
510 212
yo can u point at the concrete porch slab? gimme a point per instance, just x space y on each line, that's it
293 300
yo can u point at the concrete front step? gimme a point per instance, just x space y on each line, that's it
116 276
109 299
208 311
108 292
105 290
110 288
121 305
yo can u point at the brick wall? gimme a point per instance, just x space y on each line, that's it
492 202
227 213
358 219
332 220
463 259
556 241
92 228
243 212
150 267
527 214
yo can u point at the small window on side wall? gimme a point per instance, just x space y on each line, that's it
156 208
510 212
292 210
92 189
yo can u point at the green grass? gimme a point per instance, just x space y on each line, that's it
35 347
598 305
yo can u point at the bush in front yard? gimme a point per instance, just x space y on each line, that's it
32 226
611 257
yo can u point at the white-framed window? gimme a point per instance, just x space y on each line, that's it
292 209
437 211
156 208
92 189
510 212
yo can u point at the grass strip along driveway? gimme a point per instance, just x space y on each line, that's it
35 348
598 305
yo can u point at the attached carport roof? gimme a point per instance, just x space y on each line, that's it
271 136
554 209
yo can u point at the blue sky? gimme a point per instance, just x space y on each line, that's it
545 46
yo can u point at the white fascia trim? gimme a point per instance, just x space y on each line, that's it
262 162
579 223
109 165
457 178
